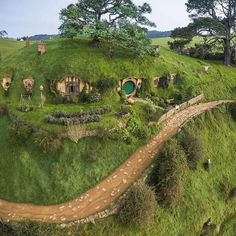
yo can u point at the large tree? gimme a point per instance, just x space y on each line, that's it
215 20
3 33
119 21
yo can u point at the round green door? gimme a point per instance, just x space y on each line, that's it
129 87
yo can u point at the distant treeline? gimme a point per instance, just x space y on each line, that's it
42 37
159 34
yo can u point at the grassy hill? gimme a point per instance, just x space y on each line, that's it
9 46
29 175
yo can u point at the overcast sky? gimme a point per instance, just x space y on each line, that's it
30 17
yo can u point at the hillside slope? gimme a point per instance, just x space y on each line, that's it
29 175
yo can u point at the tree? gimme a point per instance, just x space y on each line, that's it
116 21
214 20
3 33
138 206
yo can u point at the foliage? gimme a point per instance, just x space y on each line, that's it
48 142
74 118
215 20
3 109
193 148
119 22
105 84
138 206
135 127
232 194
123 97
27 133
178 45
168 175
90 154
24 108
232 109
95 97
27 229
3 33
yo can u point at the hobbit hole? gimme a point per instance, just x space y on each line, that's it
6 83
130 86
28 84
71 85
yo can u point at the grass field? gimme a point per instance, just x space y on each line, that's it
9 46
28 175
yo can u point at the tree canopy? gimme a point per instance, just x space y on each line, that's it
215 20
3 33
117 21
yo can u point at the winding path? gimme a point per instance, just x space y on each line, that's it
101 196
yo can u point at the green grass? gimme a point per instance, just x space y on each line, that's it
28 175
203 198
9 46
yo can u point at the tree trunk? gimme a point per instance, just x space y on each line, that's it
227 47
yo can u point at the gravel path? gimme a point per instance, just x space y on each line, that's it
101 196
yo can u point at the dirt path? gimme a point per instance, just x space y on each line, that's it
101 196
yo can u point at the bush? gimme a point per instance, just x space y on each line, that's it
3 109
74 118
90 155
232 194
135 127
123 97
105 84
232 109
168 175
138 206
24 108
193 148
20 131
27 133
48 142
95 97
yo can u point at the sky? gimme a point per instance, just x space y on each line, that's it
30 17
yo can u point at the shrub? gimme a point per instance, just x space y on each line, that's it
168 175
138 206
123 97
84 96
20 131
24 108
135 127
74 118
105 84
225 187
95 97
27 133
90 155
193 148
232 194
3 109
48 142
232 109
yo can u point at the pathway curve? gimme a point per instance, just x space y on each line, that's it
100 197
